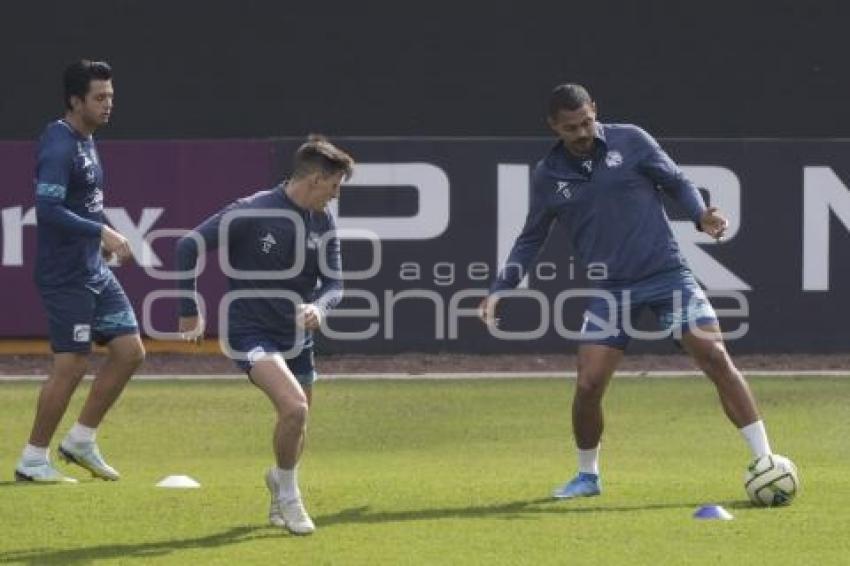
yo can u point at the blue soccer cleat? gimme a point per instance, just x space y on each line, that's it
583 485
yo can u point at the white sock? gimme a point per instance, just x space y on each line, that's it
288 481
756 438
34 454
81 433
588 461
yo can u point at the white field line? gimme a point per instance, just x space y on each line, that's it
464 375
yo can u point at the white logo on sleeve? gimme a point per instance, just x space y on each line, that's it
564 189
266 242
613 158
255 354
82 333
313 240
94 201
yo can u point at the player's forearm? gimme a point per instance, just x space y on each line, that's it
330 291
527 246
186 262
665 173
688 197
516 267
329 295
53 212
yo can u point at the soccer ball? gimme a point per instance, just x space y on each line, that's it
772 480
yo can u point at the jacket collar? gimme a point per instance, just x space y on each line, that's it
561 163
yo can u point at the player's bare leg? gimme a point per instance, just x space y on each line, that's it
596 365
125 354
308 393
65 375
274 378
705 345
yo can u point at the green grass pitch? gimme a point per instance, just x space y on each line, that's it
437 472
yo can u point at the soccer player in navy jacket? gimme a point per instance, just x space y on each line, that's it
83 299
285 274
602 181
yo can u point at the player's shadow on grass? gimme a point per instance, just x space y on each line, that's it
509 511
88 554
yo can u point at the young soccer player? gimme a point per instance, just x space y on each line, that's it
83 299
287 228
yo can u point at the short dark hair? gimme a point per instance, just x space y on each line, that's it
568 96
317 154
78 76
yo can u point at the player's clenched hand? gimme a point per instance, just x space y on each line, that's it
115 244
191 328
487 310
107 256
713 223
308 317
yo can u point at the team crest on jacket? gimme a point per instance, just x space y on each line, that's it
613 158
564 189
266 242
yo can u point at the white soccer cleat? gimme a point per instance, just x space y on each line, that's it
289 515
87 455
40 472
295 517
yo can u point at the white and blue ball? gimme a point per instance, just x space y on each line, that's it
772 480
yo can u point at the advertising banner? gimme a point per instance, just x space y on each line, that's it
426 222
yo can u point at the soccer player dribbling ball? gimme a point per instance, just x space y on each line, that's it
600 181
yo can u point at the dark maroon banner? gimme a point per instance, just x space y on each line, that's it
445 213
148 186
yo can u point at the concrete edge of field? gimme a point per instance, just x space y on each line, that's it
674 374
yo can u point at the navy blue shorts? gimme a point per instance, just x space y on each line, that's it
78 316
674 297
301 364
